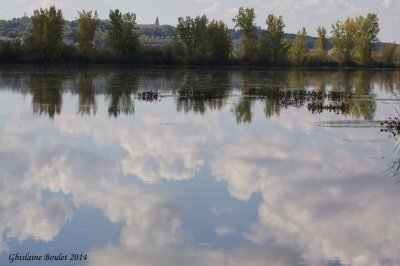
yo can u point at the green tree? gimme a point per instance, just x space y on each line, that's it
355 38
205 41
387 54
264 53
193 35
321 43
185 31
344 39
298 52
121 33
337 39
275 39
47 31
219 42
11 51
244 20
367 35
88 23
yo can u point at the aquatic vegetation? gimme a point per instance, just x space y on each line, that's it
339 95
203 93
392 126
148 96
309 95
339 101
319 107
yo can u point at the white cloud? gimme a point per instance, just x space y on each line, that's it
184 255
151 224
51 166
155 147
38 220
31 217
328 202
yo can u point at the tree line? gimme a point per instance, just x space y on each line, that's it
199 41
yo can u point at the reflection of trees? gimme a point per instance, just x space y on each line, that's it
361 84
13 80
386 80
297 80
167 81
346 82
242 110
214 85
342 81
46 93
363 88
198 105
272 108
120 88
87 97
253 81
206 91
260 80
319 80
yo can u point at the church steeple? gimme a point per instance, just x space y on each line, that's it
157 24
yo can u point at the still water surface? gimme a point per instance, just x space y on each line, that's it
87 168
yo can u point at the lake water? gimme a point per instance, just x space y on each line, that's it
87 168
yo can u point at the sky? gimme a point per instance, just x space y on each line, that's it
296 13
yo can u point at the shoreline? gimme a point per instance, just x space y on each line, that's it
194 67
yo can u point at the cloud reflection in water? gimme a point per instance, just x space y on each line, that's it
320 198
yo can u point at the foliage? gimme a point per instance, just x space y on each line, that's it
298 51
343 38
11 51
88 23
355 38
244 20
193 34
204 41
47 30
121 33
321 43
16 27
219 42
387 54
367 35
194 41
275 39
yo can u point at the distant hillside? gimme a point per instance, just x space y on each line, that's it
17 27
